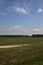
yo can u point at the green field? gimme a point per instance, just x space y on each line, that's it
19 40
25 55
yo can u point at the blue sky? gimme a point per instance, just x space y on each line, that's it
20 17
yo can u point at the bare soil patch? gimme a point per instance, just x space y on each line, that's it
11 46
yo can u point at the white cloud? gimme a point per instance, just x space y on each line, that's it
15 28
19 30
36 29
18 9
40 10
24 30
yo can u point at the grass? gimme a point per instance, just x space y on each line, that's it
25 55
19 40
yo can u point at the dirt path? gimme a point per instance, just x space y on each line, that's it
11 46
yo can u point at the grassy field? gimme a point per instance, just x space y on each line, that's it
19 40
25 55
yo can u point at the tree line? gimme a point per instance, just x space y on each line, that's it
14 35
37 35
34 35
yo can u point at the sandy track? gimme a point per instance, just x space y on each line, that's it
11 46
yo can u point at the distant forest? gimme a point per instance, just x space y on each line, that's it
34 35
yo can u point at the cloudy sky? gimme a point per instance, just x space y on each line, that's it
21 17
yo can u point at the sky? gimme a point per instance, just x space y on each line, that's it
21 17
